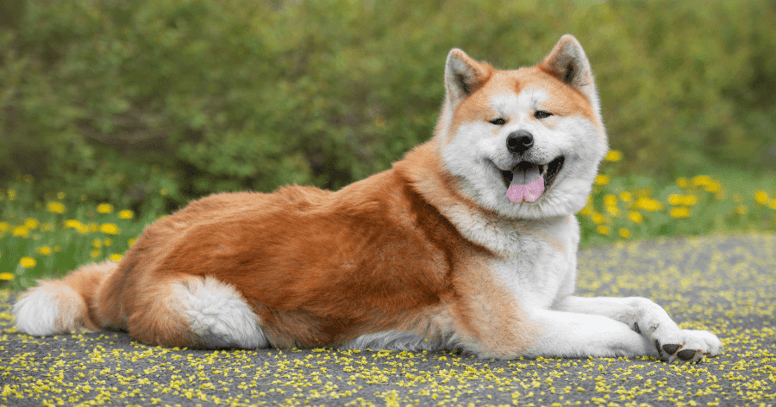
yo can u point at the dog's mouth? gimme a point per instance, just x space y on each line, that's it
527 181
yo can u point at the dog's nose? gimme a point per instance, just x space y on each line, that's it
519 141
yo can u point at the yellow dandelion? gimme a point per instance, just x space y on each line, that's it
682 182
613 211
73 224
741 210
648 204
626 196
761 197
675 199
6 276
31 223
163 192
4 226
680 212
603 230
613 155
587 210
126 214
132 241
104 208
713 187
61 195
45 250
97 243
701 180
773 203
115 257
21 231
95 253
93 227
55 207
625 233
597 218
107 242
689 200
636 217
610 200
602 179
27 262
109 228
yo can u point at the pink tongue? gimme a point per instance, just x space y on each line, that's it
529 192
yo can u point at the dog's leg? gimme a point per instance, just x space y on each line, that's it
568 334
196 312
651 321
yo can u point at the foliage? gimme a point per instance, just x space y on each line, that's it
57 237
120 100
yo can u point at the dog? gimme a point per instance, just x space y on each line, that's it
468 243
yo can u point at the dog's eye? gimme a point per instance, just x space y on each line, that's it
498 122
542 114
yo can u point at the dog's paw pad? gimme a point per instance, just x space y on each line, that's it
671 349
688 354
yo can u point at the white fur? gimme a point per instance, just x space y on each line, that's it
400 340
43 311
220 316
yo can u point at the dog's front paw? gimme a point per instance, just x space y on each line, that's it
690 346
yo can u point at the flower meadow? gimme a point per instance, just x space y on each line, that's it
48 239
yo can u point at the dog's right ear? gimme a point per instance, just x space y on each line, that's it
464 75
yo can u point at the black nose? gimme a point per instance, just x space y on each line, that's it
519 141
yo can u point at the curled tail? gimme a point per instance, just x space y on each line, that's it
63 306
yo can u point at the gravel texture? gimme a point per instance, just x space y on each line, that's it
726 284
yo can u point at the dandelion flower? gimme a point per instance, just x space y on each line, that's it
636 217
613 155
701 180
95 253
97 243
21 231
648 204
45 250
104 208
72 223
31 223
27 262
4 226
126 214
682 182
55 207
761 197
741 210
109 228
680 212
625 233
602 180
603 230
626 196
115 257
6 276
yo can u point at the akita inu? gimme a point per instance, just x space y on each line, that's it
467 243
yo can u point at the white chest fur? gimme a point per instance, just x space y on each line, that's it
535 259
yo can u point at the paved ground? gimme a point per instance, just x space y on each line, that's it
724 284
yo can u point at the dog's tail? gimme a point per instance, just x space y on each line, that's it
66 305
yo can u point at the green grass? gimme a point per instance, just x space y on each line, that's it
50 238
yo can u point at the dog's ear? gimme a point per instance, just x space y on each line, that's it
567 62
463 75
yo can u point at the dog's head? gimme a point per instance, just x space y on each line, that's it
524 143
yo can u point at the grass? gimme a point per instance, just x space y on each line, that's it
49 238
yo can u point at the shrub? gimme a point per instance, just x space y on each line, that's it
121 100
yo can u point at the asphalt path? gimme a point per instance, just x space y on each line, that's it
726 284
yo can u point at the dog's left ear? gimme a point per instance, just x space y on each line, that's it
567 62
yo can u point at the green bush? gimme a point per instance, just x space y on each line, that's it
156 102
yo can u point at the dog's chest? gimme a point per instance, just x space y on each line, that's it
536 261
